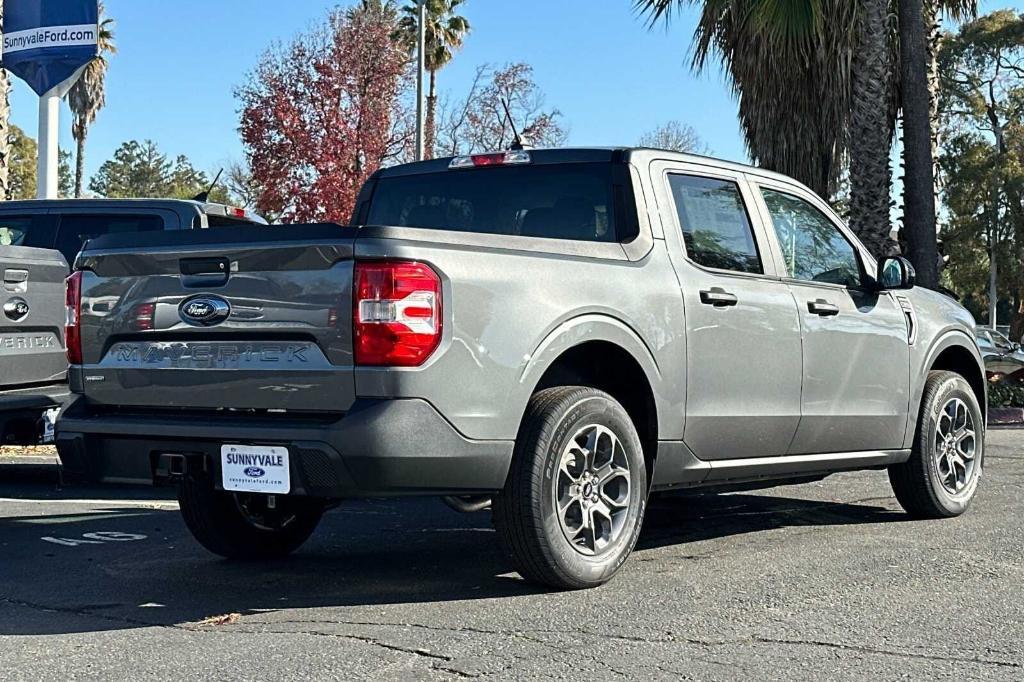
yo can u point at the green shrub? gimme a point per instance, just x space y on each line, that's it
1006 395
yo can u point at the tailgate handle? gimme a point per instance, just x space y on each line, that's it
16 280
204 272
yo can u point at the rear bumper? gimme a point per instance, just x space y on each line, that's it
21 409
380 447
41 397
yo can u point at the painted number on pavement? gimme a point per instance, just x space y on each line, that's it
97 538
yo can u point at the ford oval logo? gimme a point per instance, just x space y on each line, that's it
16 309
255 472
204 311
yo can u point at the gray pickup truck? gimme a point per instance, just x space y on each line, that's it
562 332
38 239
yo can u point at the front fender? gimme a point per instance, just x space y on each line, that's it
948 339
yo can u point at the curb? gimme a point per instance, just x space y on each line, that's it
1006 416
33 468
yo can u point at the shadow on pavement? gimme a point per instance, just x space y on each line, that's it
365 553
682 518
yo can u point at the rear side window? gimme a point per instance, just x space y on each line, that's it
14 230
582 201
27 230
75 230
715 224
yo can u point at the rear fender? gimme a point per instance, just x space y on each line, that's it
597 327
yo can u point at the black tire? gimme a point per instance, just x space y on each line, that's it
918 483
217 520
526 514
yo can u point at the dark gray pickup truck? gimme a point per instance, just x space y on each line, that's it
562 332
37 241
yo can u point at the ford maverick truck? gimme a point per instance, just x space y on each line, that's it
561 332
38 239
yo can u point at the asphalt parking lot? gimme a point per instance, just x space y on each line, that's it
826 580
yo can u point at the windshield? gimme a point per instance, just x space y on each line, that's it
580 201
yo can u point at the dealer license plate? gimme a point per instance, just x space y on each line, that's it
255 469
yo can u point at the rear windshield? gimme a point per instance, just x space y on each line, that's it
76 229
581 201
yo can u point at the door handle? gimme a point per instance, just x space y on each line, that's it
16 281
823 308
718 297
204 272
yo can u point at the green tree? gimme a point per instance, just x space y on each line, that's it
88 95
65 176
23 160
445 32
139 169
981 104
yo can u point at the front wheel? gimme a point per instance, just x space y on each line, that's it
574 502
941 476
246 526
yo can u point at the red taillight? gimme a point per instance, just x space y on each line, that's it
142 317
397 313
237 212
73 315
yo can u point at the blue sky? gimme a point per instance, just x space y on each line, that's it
178 63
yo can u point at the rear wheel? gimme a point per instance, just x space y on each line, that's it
574 502
246 526
941 476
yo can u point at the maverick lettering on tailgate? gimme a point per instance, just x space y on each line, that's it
215 355
14 343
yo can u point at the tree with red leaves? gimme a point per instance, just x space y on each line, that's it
321 114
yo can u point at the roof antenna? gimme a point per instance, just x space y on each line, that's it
517 143
205 195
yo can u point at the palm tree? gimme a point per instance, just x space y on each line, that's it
5 126
88 95
781 58
446 31
873 110
816 80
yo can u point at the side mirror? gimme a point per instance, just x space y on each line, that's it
896 273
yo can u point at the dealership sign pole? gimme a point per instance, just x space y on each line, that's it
48 43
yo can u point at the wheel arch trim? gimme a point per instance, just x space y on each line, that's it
953 338
596 327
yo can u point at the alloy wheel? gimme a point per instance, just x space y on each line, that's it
592 490
956 443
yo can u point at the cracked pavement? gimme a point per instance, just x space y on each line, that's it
827 580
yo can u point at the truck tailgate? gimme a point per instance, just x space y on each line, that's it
233 318
31 324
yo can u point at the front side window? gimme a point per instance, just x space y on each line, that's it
813 247
715 224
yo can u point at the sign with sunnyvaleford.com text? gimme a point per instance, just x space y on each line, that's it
47 42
